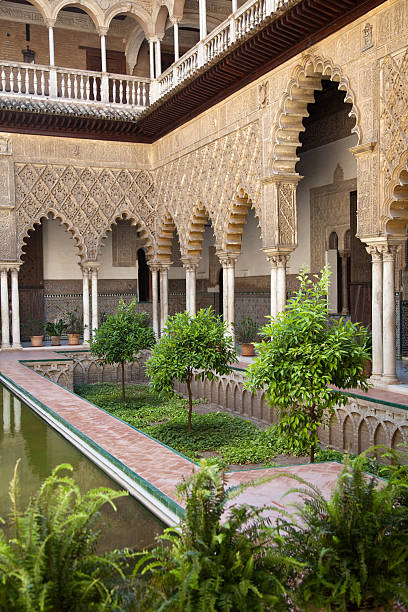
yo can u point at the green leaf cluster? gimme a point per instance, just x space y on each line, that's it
123 335
305 358
49 563
354 547
222 558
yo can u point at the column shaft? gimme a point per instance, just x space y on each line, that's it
344 285
176 41
94 282
155 302
85 302
234 5
225 293
231 297
51 45
377 312
151 58
164 297
158 58
281 284
103 52
5 321
203 18
273 287
389 367
15 309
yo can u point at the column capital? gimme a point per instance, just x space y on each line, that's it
344 253
227 259
91 265
102 30
189 264
175 20
278 257
154 266
49 22
164 266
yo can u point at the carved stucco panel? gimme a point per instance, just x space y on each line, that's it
7 234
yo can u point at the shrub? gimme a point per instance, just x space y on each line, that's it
122 336
302 355
354 546
50 563
191 346
215 561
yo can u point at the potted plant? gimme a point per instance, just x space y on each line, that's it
55 330
246 332
74 327
35 329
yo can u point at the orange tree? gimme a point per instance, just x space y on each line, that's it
190 347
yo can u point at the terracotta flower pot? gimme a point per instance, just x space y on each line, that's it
55 340
247 350
36 340
73 339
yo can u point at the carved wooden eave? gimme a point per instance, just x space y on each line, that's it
278 39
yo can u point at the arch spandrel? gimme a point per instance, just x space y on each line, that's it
292 108
91 7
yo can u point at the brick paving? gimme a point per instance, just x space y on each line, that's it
154 462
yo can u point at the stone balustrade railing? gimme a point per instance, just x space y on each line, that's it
68 84
73 85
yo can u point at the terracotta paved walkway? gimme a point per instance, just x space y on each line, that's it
154 462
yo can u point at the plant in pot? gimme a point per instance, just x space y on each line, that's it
55 330
246 332
74 327
34 328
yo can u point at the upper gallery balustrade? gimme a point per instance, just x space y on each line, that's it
136 93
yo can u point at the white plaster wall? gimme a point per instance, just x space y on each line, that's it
61 256
317 167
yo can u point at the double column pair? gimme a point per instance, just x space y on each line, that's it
163 269
278 261
383 255
7 306
90 275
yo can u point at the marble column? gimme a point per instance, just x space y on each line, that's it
344 255
158 57
203 18
389 375
151 57
273 261
51 45
5 321
15 307
281 262
377 311
234 5
228 271
6 410
85 302
164 295
155 300
175 23
190 268
94 297
103 52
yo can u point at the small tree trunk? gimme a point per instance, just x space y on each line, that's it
190 402
312 448
122 367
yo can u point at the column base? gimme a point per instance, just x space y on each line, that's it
16 347
6 347
375 378
86 344
390 379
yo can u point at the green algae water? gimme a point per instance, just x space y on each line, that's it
24 435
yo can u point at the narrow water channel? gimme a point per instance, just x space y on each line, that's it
24 435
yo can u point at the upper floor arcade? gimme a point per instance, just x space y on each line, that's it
135 70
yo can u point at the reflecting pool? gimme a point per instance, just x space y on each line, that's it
24 435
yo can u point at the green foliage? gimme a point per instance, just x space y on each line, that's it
215 562
74 322
49 564
122 336
302 354
354 546
246 331
55 328
191 346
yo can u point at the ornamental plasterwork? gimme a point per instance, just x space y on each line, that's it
211 177
394 117
87 200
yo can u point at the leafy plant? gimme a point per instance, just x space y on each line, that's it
49 563
191 346
33 327
302 355
122 336
215 561
55 328
354 546
74 322
246 331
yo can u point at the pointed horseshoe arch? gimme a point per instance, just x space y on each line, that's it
24 235
395 218
293 108
165 238
237 217
145 234
193 243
